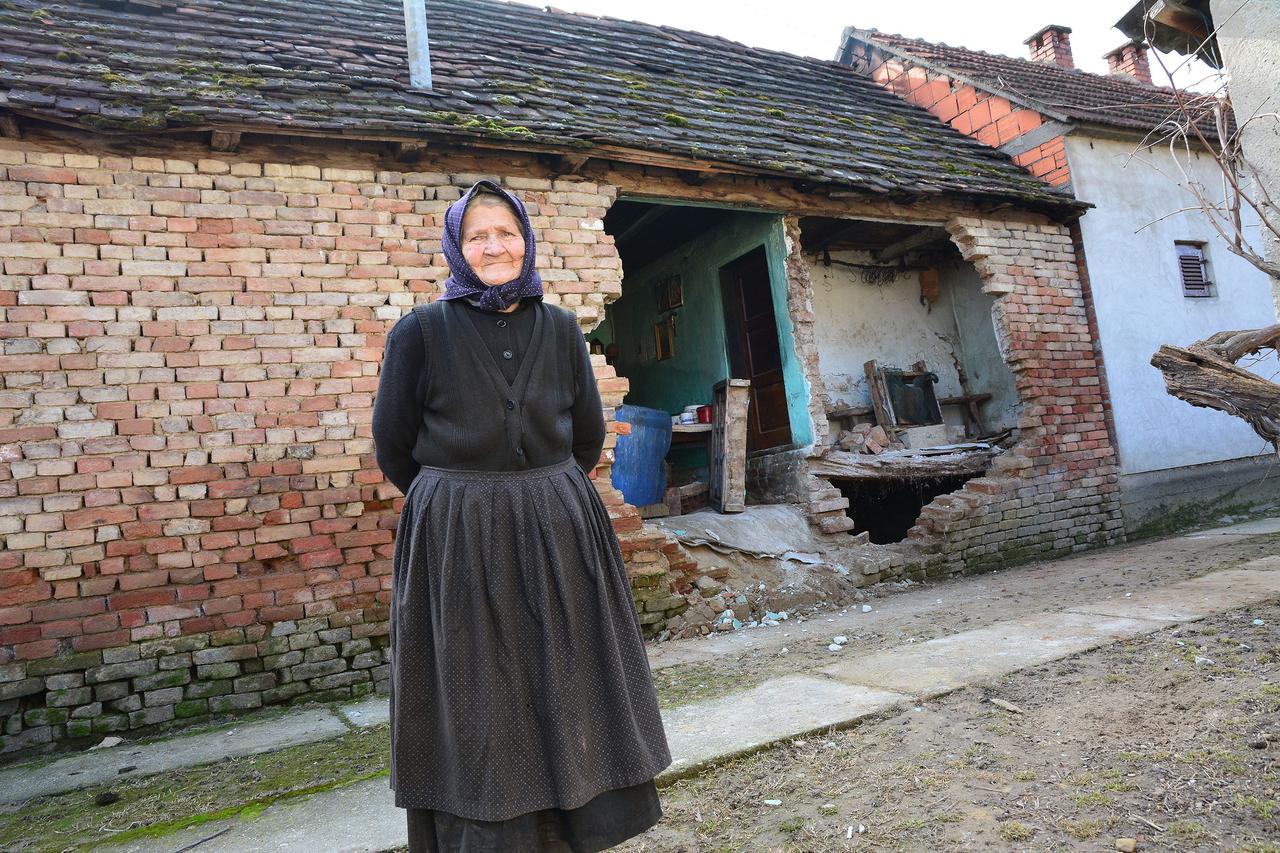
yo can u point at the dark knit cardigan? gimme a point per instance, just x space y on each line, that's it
485 391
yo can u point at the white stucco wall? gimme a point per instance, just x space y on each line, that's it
855 322
979 352
1249 40
1139 302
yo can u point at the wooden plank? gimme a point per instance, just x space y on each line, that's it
917 240
850 412
880 401
969 461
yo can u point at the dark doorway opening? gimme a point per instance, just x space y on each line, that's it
887 509
753 349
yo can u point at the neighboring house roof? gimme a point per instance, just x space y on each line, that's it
529 78
1067 94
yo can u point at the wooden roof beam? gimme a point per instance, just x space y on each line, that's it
911 242
224 140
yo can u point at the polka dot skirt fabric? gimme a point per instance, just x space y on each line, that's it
519 676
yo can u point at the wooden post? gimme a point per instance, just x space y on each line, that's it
728 486
880 400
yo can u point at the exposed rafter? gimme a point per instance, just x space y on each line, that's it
409 152
645 220
911 242
224 140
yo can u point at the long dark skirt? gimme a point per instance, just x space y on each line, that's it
608 819
519 678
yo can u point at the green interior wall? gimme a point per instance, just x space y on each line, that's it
700 358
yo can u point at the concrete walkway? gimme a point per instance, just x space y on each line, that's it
362 817
131 760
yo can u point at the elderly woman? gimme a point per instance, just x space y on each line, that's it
523 712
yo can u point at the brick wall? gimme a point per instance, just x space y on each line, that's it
191 516
989 118
1056 491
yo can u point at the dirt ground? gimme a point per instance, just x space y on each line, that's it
686 671
1113 743
1172 740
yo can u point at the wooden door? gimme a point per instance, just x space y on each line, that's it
751 334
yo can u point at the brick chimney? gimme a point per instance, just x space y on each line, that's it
1052 44
1130 59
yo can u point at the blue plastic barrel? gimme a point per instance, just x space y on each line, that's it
639 466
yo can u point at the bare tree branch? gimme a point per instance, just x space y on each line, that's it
1206 374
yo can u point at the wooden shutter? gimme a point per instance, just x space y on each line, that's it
1195 280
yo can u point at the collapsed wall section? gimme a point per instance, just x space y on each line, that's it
1056 490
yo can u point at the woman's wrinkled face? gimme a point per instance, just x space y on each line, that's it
492 242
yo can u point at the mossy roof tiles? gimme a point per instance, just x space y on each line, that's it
502 71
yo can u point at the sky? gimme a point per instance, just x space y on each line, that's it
812 27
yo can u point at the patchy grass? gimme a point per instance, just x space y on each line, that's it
696 682
161 804
1014 830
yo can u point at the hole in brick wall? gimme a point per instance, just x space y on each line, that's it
697 301
886 510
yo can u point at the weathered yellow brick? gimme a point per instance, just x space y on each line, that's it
354 175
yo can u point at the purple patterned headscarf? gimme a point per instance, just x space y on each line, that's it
463 281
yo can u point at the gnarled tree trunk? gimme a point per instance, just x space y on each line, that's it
1205 374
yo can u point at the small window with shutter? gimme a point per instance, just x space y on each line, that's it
1193 271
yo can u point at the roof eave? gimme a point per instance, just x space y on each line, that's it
1068 207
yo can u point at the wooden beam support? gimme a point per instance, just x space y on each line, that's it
880 400
224 140
644 221
9 127
560 164
909 243
838 233
410 152
695 177
957 460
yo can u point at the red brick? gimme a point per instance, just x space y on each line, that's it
141 598
226 604
23 590
98 516
43 174
67 609
23 633
14 615
103 640
38 650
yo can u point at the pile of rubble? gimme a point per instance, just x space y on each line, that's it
867 438
714 607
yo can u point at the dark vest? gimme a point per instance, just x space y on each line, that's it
472 419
